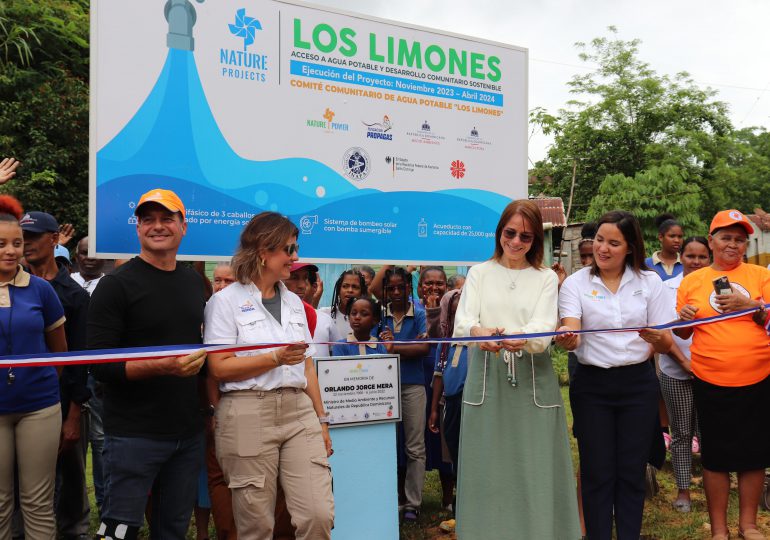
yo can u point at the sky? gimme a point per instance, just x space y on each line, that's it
722 45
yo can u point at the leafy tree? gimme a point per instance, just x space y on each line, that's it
650 193
626 119
750 168
44 104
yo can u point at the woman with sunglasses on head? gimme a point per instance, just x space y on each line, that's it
31 322
731 373
614 392
515 468
270 422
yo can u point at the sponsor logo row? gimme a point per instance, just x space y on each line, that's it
384 131
357 164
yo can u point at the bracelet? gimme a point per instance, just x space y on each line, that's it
325 419
275 358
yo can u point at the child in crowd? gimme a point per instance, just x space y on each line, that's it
451 367
405 320
364 316
349 285
431 287
666 262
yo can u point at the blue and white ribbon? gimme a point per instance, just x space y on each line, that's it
133 354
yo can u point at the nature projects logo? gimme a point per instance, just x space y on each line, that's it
242 64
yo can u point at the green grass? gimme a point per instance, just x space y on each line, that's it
661 521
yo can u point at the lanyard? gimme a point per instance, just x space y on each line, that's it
8 337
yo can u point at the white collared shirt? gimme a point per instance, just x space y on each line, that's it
362 346
640 301
235 315
89 285
668 365
325 330
341 322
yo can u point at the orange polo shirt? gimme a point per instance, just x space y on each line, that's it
734 352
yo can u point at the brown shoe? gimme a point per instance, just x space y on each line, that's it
751 534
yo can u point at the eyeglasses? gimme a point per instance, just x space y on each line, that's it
525 237
291 249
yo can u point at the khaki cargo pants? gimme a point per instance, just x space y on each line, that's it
263 437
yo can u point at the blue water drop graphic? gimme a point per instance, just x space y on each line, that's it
396 210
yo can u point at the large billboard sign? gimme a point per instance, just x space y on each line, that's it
382 141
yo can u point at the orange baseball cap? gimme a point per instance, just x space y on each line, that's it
164 197
728 218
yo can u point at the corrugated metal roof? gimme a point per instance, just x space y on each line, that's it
552 209
761 219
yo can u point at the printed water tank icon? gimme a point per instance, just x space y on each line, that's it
422 228
306 224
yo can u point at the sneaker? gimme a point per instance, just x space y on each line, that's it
411 515
448 526
681 505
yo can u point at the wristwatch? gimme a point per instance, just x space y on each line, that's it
325 419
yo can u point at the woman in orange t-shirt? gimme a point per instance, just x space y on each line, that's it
731 364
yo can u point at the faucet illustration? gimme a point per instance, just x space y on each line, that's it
181 18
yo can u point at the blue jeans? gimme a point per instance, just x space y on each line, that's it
134 466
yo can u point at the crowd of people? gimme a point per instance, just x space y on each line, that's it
245 433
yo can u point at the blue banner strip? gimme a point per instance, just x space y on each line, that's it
395 84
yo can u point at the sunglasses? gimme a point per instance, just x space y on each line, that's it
525 237
291 249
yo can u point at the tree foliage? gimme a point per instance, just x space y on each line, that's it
650 193
44 112
628 121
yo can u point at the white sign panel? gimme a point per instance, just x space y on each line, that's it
382 141
360 389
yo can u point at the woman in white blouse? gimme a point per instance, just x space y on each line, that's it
614 392
515 468
270 422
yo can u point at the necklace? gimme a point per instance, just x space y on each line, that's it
513 281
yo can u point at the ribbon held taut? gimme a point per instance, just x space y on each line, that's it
134 354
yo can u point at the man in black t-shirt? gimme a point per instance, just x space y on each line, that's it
152 420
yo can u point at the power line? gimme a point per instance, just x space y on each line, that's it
703 83
751 109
